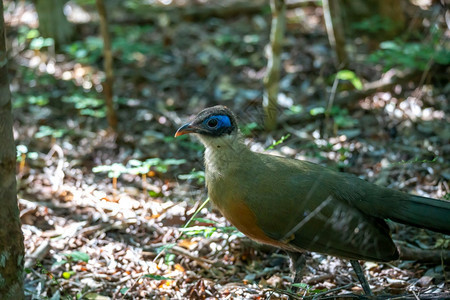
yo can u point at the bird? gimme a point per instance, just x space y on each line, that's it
301 206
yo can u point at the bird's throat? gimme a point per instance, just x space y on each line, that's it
223 154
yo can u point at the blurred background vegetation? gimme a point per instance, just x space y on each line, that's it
98 89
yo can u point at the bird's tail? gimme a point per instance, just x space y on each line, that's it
429 213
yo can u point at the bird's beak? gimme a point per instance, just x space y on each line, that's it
185 129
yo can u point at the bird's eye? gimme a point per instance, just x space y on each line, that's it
212 123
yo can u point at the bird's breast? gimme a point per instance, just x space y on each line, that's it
242 217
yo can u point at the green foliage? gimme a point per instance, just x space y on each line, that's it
374 24
203 220
33 36
40 42
26 100
26 33
413 55
88 51
85 2
129 42
68 274
222 39
45 130
165 247
317 111
307 288
21 150
207 231
156 277
138 167
70 258
169 259
113 170
247 129
197 175
128 45
276 143
343 120
36 293
416 160
294 109
78 256
88 106
350 76
341 117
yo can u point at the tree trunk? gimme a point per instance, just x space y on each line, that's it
335 31
52 21
11 237
272 78
108 65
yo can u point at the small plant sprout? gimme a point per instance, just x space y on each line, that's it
138 167
350 76
280 141
22 151
114 172
22 154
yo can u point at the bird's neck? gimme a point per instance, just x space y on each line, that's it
223 154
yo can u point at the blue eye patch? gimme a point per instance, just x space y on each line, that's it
222 121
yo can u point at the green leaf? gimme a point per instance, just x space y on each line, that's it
135 163
59 263
198 175
154 194
157 277
49 131
350 76
33 33
67 275
205 231
78 256
203 220
165 247
169 259
317 111
152 161
301 285
389 45
21 149
295 109
32 155
172 161
40 42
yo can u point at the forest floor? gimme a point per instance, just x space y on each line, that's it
95 225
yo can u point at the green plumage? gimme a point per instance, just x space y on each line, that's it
304 206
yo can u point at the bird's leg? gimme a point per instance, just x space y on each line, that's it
297 263
362 279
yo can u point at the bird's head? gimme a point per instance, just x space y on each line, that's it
214 122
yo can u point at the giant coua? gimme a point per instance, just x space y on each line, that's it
298 205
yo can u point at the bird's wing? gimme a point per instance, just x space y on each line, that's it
295 203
